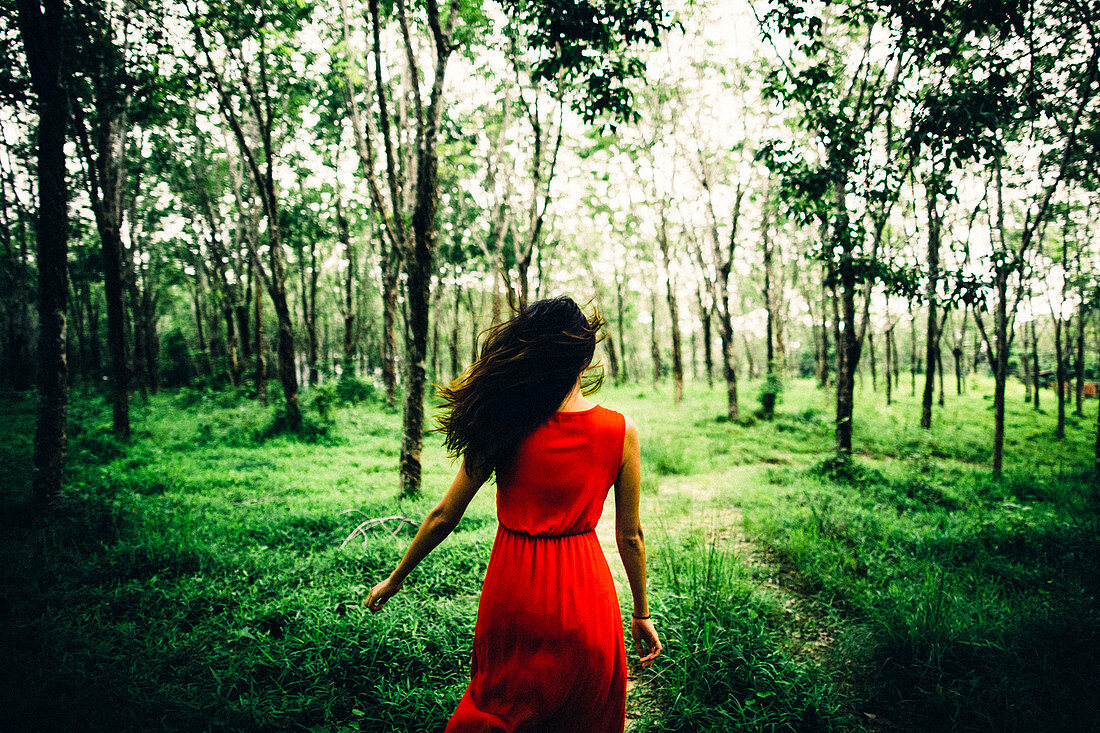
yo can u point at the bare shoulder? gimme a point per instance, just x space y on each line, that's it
631 428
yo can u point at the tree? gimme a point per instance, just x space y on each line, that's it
41 28
250 103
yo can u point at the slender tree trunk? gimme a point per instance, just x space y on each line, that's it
119 372
912 351
391 264
889 355
673 313
654 346
455 367
729 364
1096 453
939 373
200 320
231 342
751 361
1059 377
1026 364
344 233
41 27
705 318
825 336
94 353
893 350
1034 363
848 347
473 324
260 347
931 336
243 330
311 322
1079 376
619 309
418 266
871 354
769 328
1000 371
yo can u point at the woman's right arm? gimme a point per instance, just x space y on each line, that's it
439 523
631 543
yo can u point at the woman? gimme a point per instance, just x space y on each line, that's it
548 652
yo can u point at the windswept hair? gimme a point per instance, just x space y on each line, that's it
526 369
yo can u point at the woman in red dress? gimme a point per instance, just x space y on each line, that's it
548 652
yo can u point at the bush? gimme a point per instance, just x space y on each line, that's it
351 390
770 390
844 469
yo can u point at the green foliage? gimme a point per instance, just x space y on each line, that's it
351 390
726 667
770 390
844 469
197 573
590 49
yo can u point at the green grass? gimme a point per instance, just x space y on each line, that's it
193 578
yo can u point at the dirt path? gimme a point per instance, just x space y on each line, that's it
709 502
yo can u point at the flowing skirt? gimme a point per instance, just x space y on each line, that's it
548 652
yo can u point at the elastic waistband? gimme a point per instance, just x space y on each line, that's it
546 536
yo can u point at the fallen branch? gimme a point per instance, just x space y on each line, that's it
374 522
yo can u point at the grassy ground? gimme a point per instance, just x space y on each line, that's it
194 578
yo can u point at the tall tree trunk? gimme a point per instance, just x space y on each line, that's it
939 370
1059 377
344 232
1079 364
931 336
311 321
455 367
729 364
887 368
391 270
260 349
119 373
1000 371
874 367
654 346
769 306
200 321
673 312
619 310
825 335
473 324
705 318
1034 363
1096 463
612 358
91 308
749 358
848 347
1025 362
41 27
912 351
418 263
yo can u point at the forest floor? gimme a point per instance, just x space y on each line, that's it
197 577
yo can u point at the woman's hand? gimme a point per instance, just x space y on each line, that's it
381 593
645 640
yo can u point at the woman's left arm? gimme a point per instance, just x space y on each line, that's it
439 523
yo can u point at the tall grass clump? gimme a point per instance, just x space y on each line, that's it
724 665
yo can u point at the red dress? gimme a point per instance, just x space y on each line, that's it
548 644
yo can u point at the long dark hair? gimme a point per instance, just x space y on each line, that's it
526 369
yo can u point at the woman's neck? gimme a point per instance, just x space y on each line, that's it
575 401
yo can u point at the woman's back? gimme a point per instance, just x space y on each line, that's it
557 483
548 645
